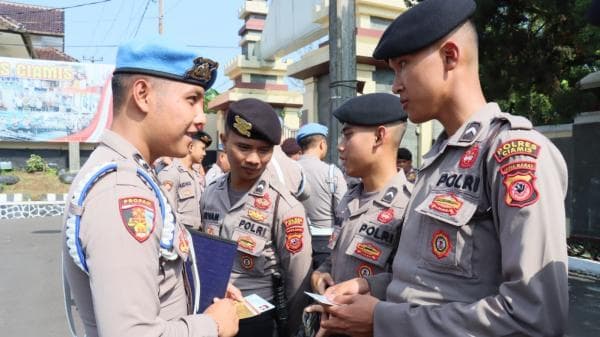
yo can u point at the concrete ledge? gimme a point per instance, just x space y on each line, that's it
584 266
31 209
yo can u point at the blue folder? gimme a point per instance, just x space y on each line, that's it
214 256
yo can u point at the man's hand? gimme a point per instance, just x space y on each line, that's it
224 313
321 281
354 286
234 293
353 317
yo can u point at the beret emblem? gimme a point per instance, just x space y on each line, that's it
242 126
202 69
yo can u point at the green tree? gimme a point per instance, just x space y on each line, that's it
533 53
209 95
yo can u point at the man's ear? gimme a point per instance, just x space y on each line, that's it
380 135
450 53
141 92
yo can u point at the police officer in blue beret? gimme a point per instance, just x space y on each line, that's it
482 251
123 247
327 185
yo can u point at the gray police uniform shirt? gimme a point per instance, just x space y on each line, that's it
288 173
184 193
318 206
269 225
365 237
213 173
130 290
482 251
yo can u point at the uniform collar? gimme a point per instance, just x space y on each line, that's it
125 149
470 132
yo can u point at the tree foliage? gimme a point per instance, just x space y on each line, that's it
533 53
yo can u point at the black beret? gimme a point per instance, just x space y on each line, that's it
371 109
290 147
404 153
253 118
421 26
203 137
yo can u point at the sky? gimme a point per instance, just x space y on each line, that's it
93 31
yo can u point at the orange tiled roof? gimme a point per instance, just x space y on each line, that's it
53 54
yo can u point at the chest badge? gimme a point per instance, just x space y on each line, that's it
247 261
263 202
469 158
386 216
247 243
446 203
256 215
364 270
441 244
138 217
184 244
368 250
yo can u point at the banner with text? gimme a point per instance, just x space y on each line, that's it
51 101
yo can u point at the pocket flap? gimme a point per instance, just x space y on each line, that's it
369 250
185 192
248 243
447 207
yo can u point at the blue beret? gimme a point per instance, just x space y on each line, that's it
371 110
163 58
421 26
253 118
311 129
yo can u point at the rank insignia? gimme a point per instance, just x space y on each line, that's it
470 133
293 242
469 158
389 195
364 270
184 244
446 203
247 243
520 189
263 202
515 147
256 215
138 216
242 126
440 244
247 261
386 215
368 250
202 70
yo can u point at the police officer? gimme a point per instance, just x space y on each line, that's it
369 217
482 250
327 185
248 206
220 167
123 252
183 185
404 162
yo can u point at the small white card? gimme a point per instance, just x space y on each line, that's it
320 298
253 305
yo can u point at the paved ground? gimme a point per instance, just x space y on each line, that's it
31 293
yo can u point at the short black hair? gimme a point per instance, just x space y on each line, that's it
119 84
310 141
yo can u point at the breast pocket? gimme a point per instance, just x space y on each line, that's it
446 234
369 250
251 258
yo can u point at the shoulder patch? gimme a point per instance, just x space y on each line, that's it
520 189
515 147
138 216
294 233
